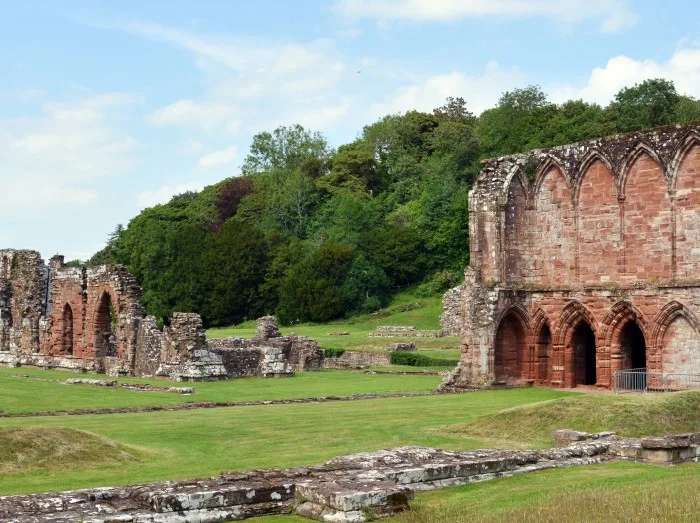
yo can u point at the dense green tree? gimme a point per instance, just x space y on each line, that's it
649 104
313 289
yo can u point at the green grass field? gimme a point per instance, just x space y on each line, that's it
22 395
184 444
425 316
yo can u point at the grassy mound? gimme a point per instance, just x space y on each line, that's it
630 415
46 448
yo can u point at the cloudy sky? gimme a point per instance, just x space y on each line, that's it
105 111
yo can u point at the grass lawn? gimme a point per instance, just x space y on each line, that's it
21 395
204 442
424 317
628 492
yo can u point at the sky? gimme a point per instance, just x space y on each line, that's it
110 107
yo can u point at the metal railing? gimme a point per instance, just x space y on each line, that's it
641 380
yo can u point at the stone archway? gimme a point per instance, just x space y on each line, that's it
67 330
633 347
510 349
584 354
106 328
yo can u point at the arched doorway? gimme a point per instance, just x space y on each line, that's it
543 351
584 354
67 330
106 328
509 349
633 347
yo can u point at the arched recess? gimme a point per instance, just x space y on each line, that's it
516 231
676 335
106 328
511 346
554 231
67 330
599 232
686 191
576 333
542 337
648 224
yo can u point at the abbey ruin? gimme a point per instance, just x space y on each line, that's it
91 319
584 260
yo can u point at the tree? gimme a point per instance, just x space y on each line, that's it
313 288
229 198
649 104
687 109
455 110
286 148
353 168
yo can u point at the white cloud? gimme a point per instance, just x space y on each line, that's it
208 115
683 68
165 193
54 158
479 91
613 15
218 158
249 77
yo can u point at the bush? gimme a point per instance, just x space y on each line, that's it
414 359
333 352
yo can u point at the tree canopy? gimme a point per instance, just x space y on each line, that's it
311 233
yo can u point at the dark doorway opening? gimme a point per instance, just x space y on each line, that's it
633 347
584 355
106 328
67 330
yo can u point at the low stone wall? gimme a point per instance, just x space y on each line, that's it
356 359
403 331
354 488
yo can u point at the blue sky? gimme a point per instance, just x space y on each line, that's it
106 110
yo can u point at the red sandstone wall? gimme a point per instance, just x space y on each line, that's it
516 234
688 215
599 242
648 227
554 232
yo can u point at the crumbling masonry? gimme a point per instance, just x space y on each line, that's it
584 260
91 319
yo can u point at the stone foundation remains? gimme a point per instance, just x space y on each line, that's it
584 260
91 319
354 488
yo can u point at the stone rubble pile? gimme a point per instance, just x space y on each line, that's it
352 489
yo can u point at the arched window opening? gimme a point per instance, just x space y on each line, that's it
584 355
543 351
633 347
509 349
106 328
67 330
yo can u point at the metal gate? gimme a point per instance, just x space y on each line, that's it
641 380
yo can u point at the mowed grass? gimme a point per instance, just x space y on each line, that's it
26 395
632 415
425 316
205 442
626 492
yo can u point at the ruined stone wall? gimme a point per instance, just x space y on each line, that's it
596 236
22 294
451 320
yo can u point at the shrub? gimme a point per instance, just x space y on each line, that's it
414 359
333 352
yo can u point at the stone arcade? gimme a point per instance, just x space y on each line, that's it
584 260
91 319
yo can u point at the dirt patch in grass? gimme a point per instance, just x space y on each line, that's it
55 448
531 426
